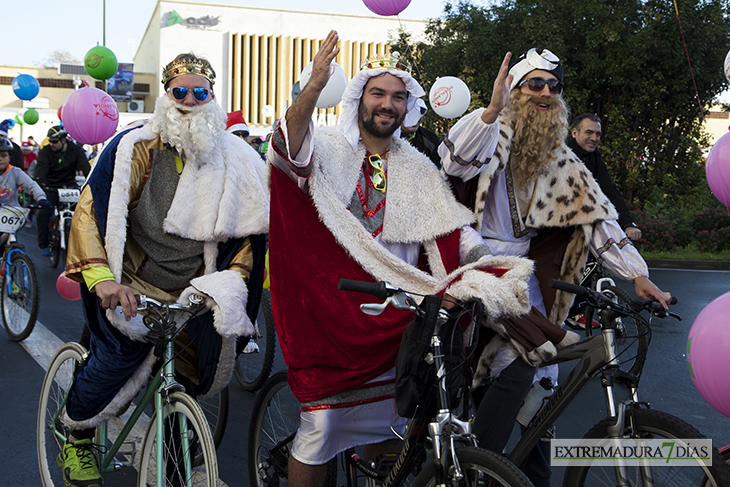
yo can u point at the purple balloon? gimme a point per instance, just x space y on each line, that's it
386 7
708 347
717 169
90 115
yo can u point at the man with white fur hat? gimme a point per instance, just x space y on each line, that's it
535 199
173 206
356 201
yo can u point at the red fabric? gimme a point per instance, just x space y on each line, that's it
329 345
28 160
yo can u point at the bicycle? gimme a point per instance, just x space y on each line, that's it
434 426
59 225
20 296
177 442
599 355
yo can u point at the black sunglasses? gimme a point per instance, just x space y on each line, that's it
180 92
537 84
54 141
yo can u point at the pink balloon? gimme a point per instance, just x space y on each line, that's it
67 288
386 7
708 346
90 116
717 169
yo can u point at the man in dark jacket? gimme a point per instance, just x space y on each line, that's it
56 168
584 140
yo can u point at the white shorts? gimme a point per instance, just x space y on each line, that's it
324 433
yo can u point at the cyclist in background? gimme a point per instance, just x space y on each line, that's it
12 178
56 167
583 140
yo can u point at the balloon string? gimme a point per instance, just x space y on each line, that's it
697 93
408 49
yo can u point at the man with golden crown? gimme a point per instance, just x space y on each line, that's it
532 197
173 205
356 201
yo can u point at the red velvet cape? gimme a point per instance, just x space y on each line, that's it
329 345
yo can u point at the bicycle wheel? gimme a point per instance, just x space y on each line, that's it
181 412
632 336
215 409
480 468
274 422
20 296
54 241
253 369
651 424
56 383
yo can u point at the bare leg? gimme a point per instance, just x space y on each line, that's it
303 475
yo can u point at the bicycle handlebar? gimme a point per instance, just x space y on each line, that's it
600 300
380 290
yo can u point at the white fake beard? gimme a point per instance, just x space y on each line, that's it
192 133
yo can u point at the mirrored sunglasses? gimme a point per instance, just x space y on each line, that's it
54 141
243 135
379 180
537 84
180 92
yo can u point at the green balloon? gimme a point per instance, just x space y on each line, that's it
30 116
100 62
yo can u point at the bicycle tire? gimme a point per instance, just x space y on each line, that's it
479 466
651 424
54 242
632 335
19 309
215 409
253 369
274 422
58 379
180 407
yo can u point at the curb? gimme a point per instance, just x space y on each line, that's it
716 265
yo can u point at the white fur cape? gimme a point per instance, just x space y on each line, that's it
225 198
420 208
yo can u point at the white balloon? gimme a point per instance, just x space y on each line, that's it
727 65
331 95
267 111
449 97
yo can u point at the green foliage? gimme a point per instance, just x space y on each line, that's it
624 61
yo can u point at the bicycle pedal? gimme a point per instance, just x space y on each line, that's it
132 447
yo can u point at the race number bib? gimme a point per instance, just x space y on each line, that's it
12 218
66 195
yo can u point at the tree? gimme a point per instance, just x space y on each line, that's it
624 61
57 57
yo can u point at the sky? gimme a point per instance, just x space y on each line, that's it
77 25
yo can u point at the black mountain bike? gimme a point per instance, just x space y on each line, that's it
436 431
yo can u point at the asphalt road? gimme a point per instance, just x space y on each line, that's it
666 383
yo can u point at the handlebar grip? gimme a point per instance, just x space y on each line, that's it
673 301
377 289
568 287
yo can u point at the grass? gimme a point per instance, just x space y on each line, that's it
686 254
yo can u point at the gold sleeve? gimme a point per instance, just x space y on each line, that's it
85 247
243 260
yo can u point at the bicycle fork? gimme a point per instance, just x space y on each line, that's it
445 421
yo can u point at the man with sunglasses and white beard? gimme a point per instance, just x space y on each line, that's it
173 205
532 197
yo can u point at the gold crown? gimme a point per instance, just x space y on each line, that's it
386 62
188 66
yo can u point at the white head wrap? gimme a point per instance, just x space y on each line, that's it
351 101
535 59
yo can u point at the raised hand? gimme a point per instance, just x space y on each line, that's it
500 92
300 113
